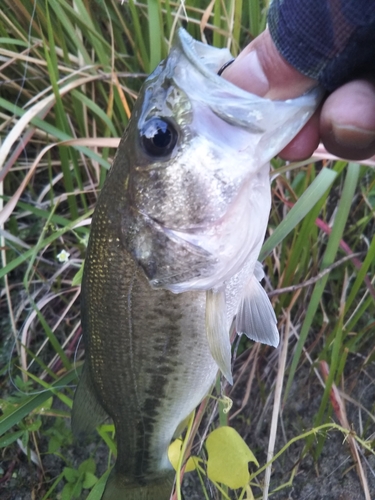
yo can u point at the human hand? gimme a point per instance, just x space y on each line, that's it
345 122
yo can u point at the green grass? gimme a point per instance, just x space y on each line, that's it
70 73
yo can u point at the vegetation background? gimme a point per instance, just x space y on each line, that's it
70 71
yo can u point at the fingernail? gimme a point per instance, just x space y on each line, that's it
353 137
246 72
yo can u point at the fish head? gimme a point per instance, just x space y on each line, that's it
189 162
197 150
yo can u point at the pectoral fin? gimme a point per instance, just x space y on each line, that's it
217 331
258 271
255 316
87 412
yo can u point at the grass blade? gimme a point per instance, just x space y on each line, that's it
303 206
30 403
328 259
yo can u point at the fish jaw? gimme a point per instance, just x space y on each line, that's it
236 239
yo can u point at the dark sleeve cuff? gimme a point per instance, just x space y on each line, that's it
331 41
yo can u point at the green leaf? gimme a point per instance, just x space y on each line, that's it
67 492
138 35
54 444
88 465
77 490
174 452
154 21
46 405
41 244
25 439
89 480
106 432
52 337
97 491
34 426
77 279
71 475
30 403
10 438
48 496
228 458
370 258
95 109
7 408
13 41
55 132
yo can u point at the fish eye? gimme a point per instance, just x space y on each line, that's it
158 137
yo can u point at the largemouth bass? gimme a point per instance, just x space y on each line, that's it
172 257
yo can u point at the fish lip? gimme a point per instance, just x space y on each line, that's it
189 46
237 106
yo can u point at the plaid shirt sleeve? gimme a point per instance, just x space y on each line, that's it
332 41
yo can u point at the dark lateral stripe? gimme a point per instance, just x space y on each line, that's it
151 409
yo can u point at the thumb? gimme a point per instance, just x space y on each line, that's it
261 70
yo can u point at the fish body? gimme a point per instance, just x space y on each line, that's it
172 257
148 363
